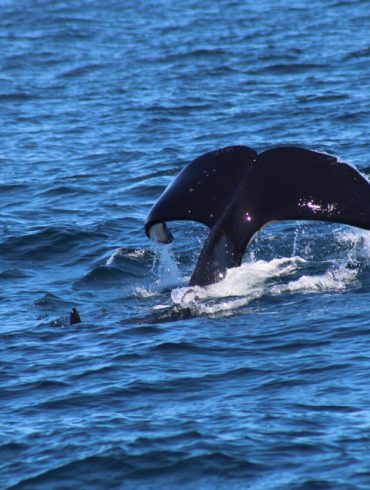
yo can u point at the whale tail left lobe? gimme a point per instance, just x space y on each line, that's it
201 191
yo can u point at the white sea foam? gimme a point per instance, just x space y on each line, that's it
165 267
358 242
113 256
121 252
241 286
240 281
255 279
332 280
142 292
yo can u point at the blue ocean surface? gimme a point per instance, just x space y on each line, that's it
261 381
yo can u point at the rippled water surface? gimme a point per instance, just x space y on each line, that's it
261 381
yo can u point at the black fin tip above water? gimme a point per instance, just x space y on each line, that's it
74 317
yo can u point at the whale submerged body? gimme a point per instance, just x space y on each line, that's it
235 192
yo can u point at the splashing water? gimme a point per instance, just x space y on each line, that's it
123 252
165 271
247 282
165 267
295 241
258 278
359 243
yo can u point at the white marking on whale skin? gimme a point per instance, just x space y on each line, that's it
159 234
247 217
315 207
331 208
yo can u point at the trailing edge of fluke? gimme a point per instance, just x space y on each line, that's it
235 191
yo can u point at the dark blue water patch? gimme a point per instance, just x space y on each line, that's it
84 70
44 243
177 347
325 408
12 188
124 266
17 96
323 98
362 53
144 330
65 191
50 301
349 116
131 469
290 69
13 274
37 386
104 277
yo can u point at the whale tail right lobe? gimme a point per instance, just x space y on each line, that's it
292 183
285 183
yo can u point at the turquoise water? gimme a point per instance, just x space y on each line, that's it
258 382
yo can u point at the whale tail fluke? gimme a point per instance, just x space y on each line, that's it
235 193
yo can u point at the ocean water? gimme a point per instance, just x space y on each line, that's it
261 381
